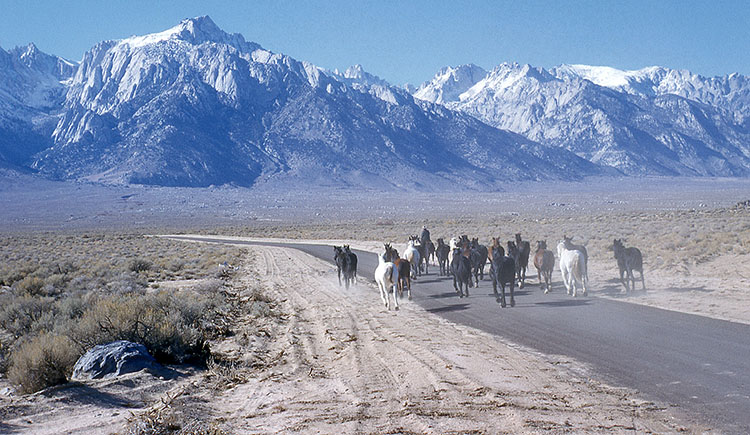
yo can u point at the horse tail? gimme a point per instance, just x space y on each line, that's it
578 267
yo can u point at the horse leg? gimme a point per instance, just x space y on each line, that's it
622 280
566 278
339 271
502 299
494 287
383 294
512 300
642 280
395 299
454 285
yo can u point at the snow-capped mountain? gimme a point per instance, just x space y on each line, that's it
650 121
32 90
194 106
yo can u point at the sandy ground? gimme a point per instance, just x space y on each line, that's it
351 366
337 361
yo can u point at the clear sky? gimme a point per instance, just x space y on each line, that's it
408 41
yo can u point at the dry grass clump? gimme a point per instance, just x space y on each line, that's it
174 415
53 310
44 361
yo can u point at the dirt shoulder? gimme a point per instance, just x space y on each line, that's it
350 366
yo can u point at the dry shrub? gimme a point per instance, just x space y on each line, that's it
29 285
139 265
168 325
42 362
19 315
173 416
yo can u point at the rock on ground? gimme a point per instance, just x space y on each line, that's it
113 359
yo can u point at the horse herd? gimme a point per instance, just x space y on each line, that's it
465 260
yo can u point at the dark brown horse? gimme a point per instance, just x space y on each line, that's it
628 260
441 252
544 261
404 276
569 245
524 250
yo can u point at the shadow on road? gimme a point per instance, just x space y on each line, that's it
444 295
565 303
456 307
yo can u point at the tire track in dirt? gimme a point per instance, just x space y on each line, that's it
351 366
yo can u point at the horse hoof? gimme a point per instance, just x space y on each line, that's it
502 303
546 291
512 303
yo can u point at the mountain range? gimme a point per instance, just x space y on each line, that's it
196 106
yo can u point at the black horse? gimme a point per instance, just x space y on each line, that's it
628 260
352 263
441 252
346 263
524 250
478 259
503 271
461 268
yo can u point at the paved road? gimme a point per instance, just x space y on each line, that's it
700 364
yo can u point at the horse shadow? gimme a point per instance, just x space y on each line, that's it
444 295
564 303
427 281
449 308
701 289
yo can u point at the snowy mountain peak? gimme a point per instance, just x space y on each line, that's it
607 77
449 83
192 30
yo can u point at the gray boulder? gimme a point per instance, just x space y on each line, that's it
113 359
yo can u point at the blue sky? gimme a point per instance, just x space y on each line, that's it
408 41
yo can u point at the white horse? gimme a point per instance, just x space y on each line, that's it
572 268
411 254
386 275
453 243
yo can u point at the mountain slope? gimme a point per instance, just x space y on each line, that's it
652 121
194 106
32 89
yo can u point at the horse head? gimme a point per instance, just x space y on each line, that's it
618 247
541 245
497 252
518 239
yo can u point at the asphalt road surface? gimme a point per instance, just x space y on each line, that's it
699 364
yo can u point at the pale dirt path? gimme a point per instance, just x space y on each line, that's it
350 366
719 288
